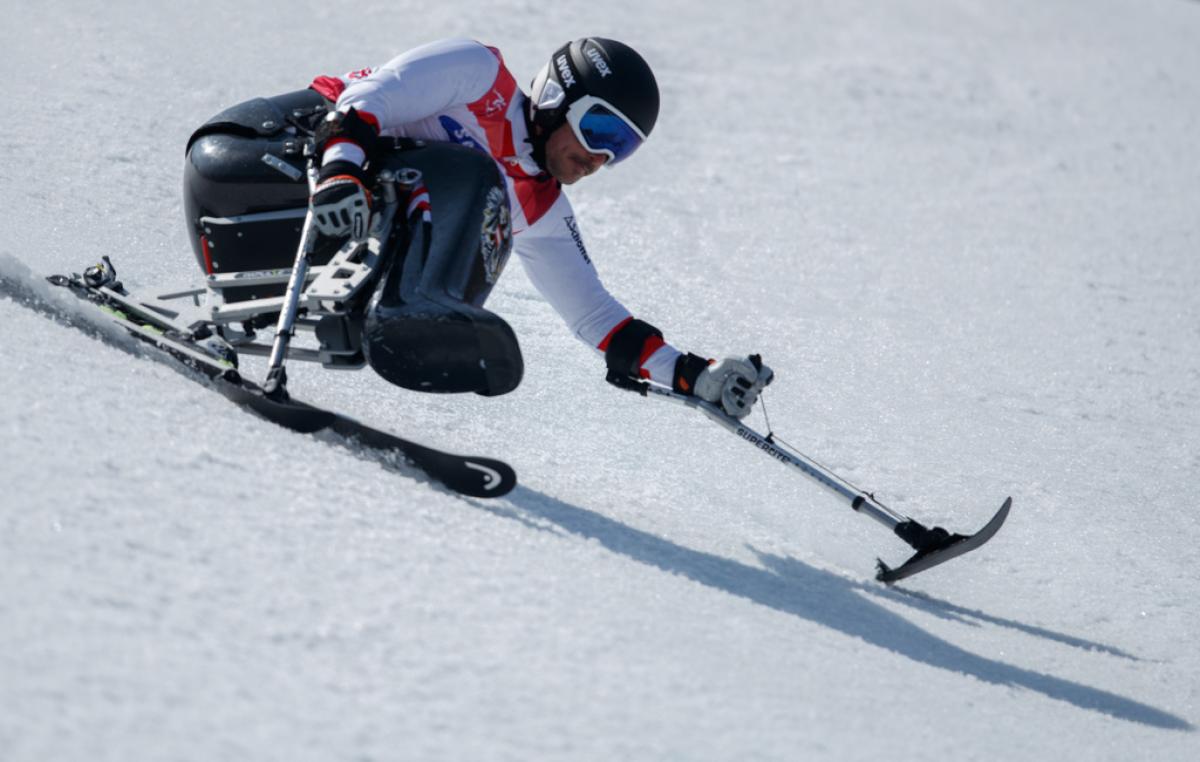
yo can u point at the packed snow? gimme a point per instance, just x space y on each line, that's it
964 233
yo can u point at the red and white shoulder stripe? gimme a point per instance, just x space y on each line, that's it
331 88
414 94
500 114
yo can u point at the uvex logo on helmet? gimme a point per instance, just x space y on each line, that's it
611 81
597 58
564 71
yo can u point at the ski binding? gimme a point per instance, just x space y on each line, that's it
937 546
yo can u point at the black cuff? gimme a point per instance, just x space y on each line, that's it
626 346
348 126
687 368
335 168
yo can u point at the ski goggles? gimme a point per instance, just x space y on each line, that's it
601 128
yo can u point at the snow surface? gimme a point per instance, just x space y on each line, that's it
963 232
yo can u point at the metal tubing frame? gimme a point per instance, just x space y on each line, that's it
275 378
377 231
860 501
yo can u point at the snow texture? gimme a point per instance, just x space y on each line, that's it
965 235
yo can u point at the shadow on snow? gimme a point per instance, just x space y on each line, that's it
972 617
793 587
785 585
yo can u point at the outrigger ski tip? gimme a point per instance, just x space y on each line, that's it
937 546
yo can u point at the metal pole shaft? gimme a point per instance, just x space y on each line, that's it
860 501
291 301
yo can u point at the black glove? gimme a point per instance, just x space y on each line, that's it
341 203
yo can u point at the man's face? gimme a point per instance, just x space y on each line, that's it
566 158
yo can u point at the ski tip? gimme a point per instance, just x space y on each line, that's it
1000 515
483 477
959 545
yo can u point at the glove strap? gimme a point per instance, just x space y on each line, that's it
687 368
342 169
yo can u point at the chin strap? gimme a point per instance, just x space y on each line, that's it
535 140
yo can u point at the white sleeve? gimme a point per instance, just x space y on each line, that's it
423 81
558 265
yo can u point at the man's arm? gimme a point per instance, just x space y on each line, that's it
556 261
558 264
410 87
415 85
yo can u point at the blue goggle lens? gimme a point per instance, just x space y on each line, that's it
602 130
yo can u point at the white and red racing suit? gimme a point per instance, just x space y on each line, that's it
460 91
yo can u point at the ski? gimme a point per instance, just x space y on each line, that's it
952 546
467 475
463 474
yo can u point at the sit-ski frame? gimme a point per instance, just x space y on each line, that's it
320 291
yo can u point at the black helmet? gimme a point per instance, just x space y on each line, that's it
614 79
